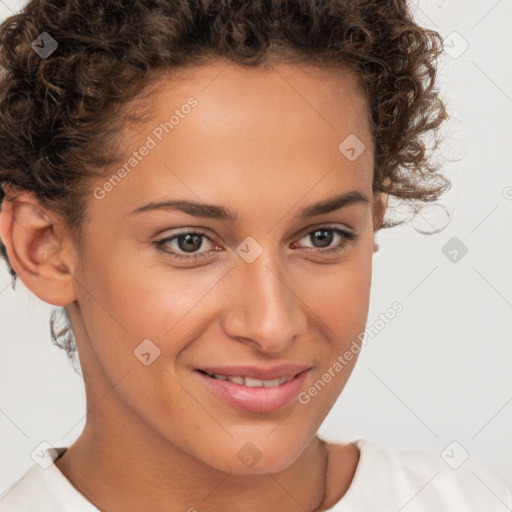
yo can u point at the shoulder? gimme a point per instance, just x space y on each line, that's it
423 481
43 488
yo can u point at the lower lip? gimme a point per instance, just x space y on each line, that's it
259 399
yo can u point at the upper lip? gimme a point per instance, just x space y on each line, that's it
256 372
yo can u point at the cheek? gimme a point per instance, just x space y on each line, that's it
133 290
341 302
340 294
129 302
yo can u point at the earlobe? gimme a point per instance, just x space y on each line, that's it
35 248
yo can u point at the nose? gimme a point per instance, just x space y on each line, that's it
266 308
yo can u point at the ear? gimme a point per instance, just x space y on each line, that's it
39 248
379 210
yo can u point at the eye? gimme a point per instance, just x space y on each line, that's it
186 243
324 236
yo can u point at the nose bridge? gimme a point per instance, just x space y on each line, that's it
266 310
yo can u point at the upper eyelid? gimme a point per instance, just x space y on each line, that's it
327 225
182 231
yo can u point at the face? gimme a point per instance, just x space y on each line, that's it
256 280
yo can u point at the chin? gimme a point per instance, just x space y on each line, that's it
258 457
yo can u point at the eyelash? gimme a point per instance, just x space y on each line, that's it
346 236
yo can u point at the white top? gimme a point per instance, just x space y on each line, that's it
386 479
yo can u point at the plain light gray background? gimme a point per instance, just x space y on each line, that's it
437 373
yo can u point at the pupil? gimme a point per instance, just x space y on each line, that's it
192 242
324 236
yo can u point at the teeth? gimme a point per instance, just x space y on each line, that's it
252 383
236 380
270 383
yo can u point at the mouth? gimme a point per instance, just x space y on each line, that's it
247 392
250 382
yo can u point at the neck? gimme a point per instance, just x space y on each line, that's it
126 467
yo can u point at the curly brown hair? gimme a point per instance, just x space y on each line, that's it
61 117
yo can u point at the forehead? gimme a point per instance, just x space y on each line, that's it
324 96
272 131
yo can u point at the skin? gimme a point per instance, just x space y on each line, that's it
264 142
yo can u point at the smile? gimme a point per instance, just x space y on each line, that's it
251 382
253 394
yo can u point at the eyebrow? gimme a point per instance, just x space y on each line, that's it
222 213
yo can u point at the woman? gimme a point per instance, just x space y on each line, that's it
199 185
